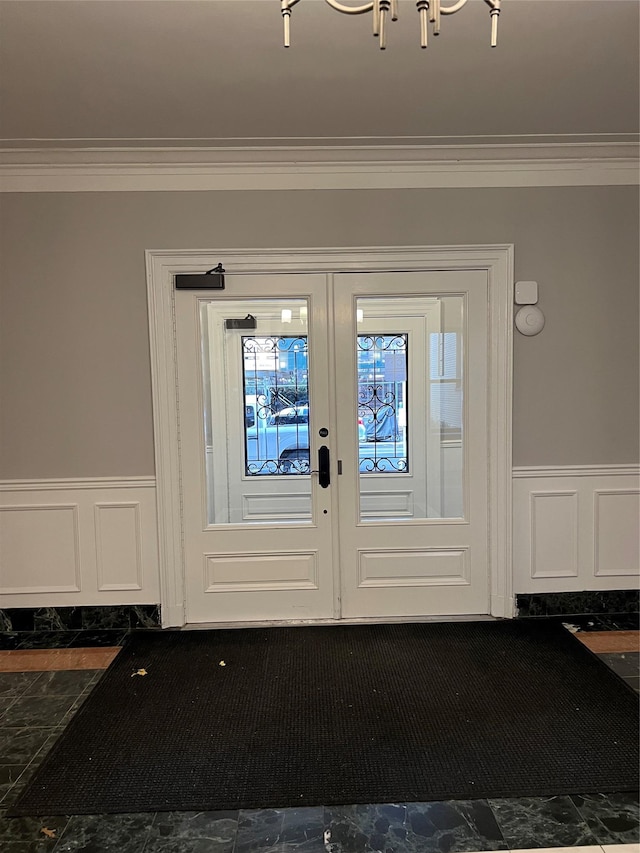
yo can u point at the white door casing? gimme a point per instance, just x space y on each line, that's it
494 262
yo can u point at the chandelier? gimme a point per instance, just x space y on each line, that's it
429 11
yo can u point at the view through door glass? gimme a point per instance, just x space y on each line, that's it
410 407
257 410
408 412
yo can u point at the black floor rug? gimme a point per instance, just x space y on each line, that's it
281 717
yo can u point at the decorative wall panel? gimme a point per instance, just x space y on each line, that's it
71 543
576 528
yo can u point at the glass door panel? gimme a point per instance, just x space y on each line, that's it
257 410
410 406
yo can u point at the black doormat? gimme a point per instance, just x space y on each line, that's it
281 717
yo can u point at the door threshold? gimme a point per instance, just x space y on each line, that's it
364 620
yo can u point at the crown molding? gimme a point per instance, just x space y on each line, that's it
140 168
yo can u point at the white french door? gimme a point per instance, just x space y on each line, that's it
258 528
413 505
333 446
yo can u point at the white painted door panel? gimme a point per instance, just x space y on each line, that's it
258 546
429 555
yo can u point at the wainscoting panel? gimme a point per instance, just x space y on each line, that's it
576 528
68 543
38 536
617 544
554 534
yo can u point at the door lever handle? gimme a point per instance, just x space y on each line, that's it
324 464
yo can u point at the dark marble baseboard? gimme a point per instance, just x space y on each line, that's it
122 617
619 601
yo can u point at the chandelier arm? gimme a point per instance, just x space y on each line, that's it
450 10
422 7
350 10
494 6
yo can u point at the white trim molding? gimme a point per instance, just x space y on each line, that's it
576 527
75 483
546 471
319 166
96 544
162 265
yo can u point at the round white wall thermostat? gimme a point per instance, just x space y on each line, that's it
530 320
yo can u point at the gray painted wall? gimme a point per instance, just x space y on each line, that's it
75 371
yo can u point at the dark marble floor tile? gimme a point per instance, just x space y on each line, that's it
612 818
9 642
9 775
193 832
61 683
37 711
20 745
303 830
52 736
74 708
98 638
15 683
124 833
529 822
5 703
44 846
482 820
413 828
294 830
633 681
46 639
29 830
259 829
184 845
97 675
623 663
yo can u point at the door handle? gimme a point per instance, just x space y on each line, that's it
324 462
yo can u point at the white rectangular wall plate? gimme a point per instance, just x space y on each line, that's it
526 292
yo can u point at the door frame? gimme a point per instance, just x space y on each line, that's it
163 264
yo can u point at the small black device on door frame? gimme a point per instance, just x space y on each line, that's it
213 279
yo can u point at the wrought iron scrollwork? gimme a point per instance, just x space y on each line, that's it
275 374
378 402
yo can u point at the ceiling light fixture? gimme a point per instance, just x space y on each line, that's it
428 10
